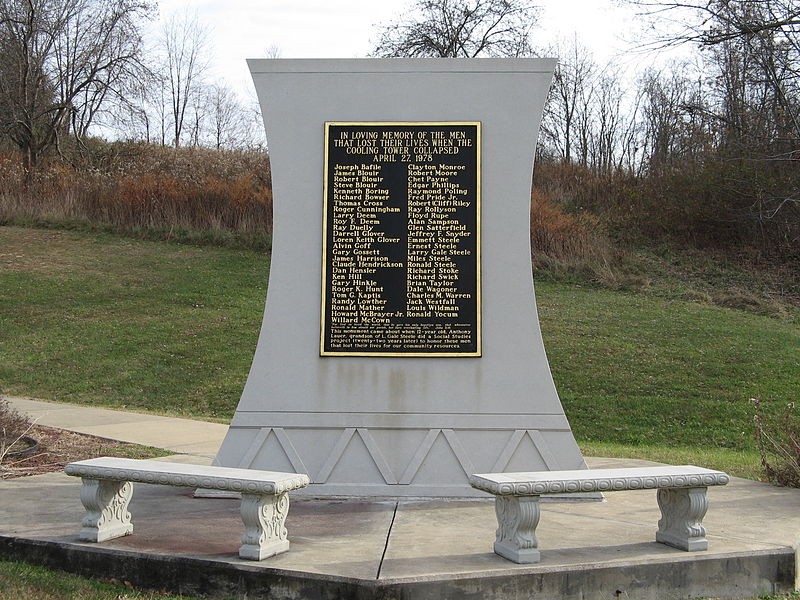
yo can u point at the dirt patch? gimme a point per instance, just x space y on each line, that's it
57 447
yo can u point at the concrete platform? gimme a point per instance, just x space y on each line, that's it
413 549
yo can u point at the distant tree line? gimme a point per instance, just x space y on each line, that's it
742 96
709 151
71 67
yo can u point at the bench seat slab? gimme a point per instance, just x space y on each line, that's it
187 475
597 480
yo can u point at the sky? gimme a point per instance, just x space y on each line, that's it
241 29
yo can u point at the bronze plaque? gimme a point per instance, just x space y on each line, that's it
401 239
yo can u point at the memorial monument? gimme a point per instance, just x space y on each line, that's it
400 350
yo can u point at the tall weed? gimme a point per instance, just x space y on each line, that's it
779 444
569 244
150 190
13 428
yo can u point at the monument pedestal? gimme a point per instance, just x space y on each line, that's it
406 421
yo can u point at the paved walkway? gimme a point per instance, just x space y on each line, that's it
182 436
392 549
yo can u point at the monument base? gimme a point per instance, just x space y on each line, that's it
381 458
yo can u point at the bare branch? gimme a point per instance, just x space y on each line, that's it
460 28
58 59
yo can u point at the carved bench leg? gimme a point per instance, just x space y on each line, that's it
264 517
517 518
682 512
106 504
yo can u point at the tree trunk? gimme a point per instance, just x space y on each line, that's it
28 166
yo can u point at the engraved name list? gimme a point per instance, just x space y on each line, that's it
401 239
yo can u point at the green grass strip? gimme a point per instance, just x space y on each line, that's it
22 581
168 328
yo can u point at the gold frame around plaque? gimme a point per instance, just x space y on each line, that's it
478 208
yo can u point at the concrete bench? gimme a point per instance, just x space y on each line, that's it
107 490
681 497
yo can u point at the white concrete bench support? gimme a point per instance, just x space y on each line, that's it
107 490
106 504
681 523
681 496
517 518
264 521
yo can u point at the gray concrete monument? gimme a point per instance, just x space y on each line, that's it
400 350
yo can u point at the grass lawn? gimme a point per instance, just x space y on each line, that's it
100 319
653 376
169 328
20 581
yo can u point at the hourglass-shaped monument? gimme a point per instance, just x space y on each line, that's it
400 350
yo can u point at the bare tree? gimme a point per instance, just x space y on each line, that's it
253 133
98 58
184 41
605 137
711 22
748 107
755 45
136 117
272 51
568 98
460 28
59 61
757 92
591 117
226 117
665 99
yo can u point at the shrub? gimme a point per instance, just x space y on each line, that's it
565 245
719 203
13 426
779 444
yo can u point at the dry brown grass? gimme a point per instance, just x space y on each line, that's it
138 188
725 204
564 245
12 423
562 236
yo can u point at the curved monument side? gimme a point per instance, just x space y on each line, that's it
402 424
